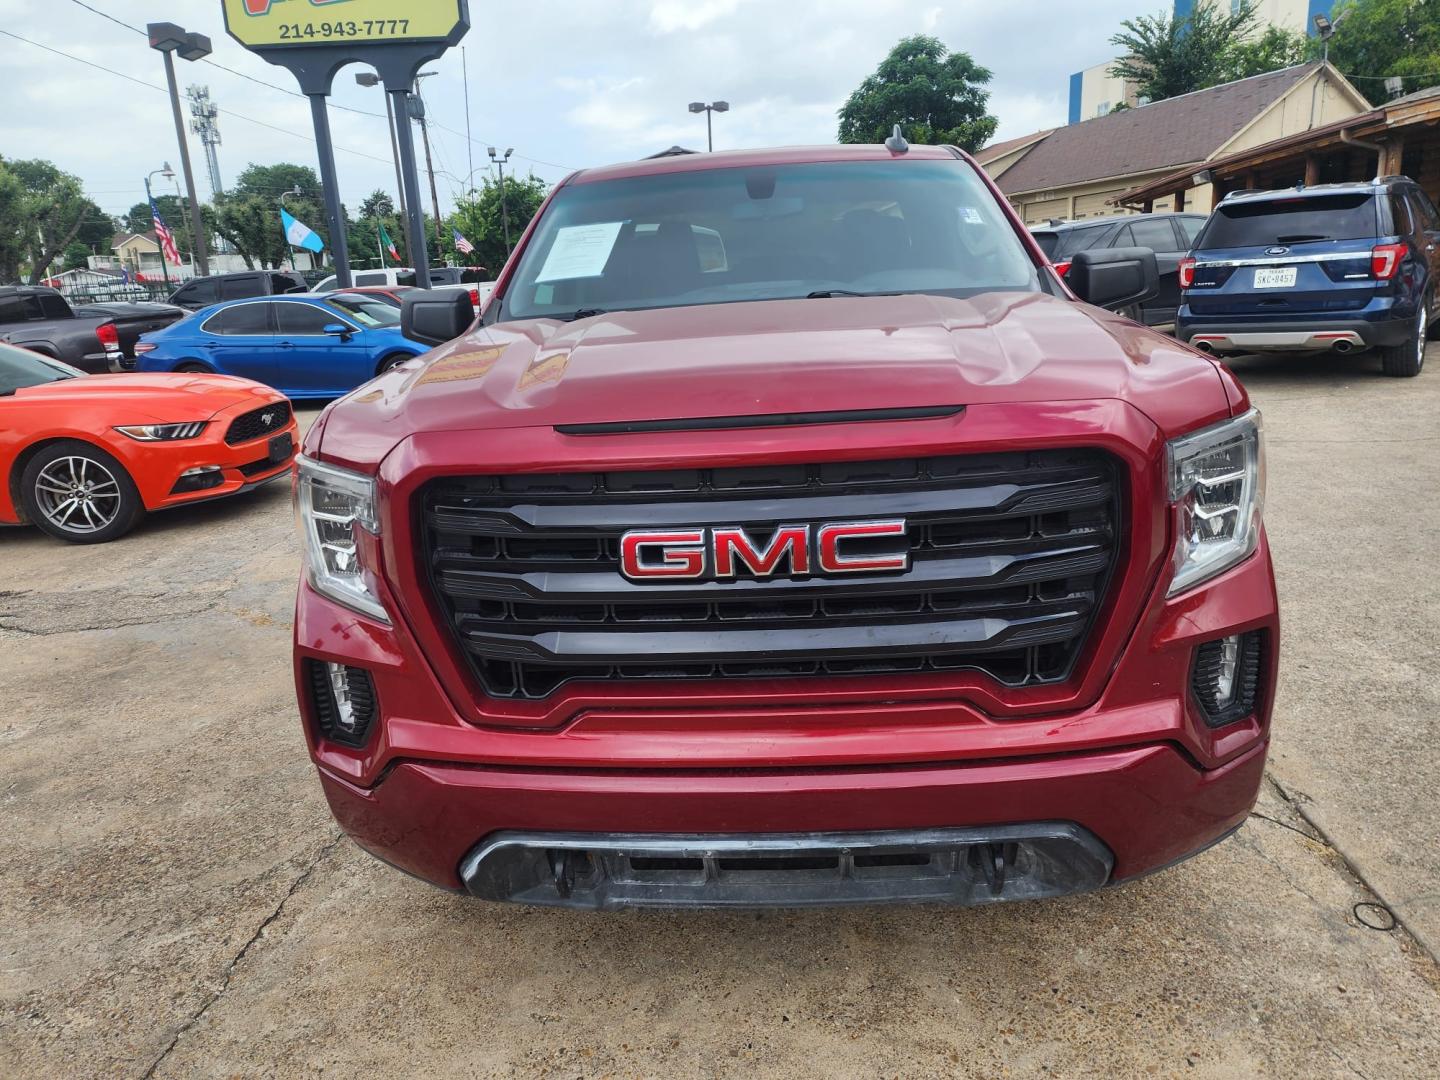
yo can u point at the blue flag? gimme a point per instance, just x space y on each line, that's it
299 235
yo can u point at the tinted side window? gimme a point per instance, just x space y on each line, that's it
1153 233
1190 228
371 279
1081 240
304 319
1400 215
282 283
1048 242
12 309
54 307
245 319
199 293
1292 221
1429 216
238 288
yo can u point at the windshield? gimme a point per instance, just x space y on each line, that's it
1291 221
20 368
369 311
767 233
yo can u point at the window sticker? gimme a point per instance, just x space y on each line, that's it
970 216
580 251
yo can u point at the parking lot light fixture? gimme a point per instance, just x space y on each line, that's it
709 109
167 39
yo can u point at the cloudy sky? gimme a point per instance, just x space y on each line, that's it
567 83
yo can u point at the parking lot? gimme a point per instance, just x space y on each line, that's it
177 901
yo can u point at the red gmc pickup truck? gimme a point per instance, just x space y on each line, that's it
786 532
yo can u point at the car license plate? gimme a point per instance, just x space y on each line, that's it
281 448
1280 277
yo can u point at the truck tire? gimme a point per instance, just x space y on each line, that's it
78 493
1405 360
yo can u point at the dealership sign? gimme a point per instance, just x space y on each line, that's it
269 24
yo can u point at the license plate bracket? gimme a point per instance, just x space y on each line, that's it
282 447
1275 277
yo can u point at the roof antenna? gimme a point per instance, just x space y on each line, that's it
896 143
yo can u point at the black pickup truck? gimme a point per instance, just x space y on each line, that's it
94 340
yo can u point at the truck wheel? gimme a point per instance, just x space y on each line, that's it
1405 360
77 492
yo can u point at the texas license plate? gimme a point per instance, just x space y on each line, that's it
281 448
1280 277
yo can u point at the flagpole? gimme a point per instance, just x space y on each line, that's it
380 245
150 198
286 232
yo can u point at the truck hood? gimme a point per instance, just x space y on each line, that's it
785 356
163 398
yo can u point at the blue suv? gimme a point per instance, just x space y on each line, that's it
1335 267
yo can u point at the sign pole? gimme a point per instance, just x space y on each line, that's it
330 182
414 200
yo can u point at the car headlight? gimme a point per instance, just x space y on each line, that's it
1217 483
333 506
164 432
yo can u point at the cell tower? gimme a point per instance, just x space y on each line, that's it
203 123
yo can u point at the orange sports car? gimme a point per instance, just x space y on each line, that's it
85 456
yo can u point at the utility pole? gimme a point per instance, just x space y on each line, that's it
504 210
168 39
417 113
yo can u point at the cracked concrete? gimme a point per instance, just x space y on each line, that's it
175 901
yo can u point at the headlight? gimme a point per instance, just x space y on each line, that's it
164 432
1217 483
333 505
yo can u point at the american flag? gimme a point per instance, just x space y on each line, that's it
465 247
164 236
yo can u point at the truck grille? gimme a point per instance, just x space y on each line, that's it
258 423
1010 555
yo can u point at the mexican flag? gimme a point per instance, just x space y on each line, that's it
387 246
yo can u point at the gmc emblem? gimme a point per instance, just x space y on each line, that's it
724 552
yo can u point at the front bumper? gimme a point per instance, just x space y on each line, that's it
1318 334
229 470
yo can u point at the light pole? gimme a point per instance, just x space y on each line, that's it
708 109
417 112
1326 29
169 174
167 38
289 246
369 78
500 161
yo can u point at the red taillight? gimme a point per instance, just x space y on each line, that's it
1062 268
475 297
144 347
1186 273
1385 261
108 335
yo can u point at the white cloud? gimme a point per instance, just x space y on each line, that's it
669 16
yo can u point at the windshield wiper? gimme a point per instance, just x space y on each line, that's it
825 294
583 313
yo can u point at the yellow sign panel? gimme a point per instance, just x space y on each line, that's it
270 23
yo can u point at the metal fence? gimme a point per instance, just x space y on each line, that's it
105 294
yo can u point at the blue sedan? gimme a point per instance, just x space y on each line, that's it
304 346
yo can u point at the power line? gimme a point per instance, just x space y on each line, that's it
163 90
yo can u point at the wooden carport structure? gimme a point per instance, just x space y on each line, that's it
1401 137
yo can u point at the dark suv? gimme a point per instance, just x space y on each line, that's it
203 291
1168 235
1336 267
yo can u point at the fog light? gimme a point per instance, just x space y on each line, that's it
344 700
1226 677
200 479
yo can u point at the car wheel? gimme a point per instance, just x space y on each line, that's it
1132 312
77 492
1405 360
392 361
192 369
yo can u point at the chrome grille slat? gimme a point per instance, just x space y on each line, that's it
1010 555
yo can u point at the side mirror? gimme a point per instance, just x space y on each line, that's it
336 329
434 318
1115 278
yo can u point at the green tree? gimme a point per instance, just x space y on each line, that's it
76 257
936 96
1272 49
479 218
45 211
377 204
1382 38
1166 56
248 215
